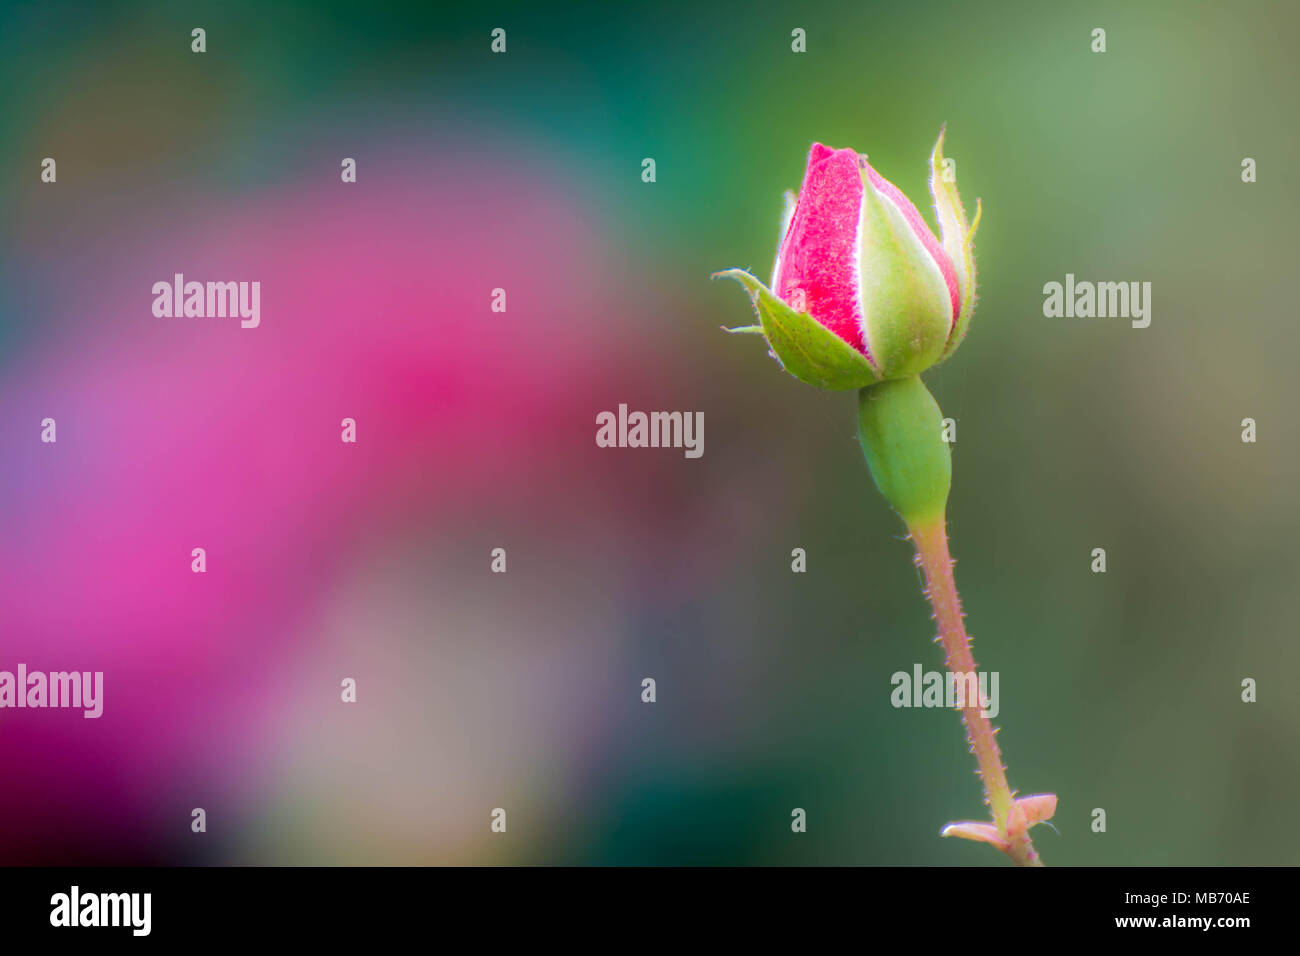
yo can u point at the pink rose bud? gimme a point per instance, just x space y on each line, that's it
862 290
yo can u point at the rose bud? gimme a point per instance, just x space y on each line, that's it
862 290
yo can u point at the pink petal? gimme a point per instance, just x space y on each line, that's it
819 255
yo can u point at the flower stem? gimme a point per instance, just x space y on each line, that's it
931 540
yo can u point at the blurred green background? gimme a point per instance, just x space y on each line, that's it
1120 690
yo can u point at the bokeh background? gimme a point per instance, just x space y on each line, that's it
476 430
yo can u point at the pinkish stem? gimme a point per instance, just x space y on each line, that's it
931 540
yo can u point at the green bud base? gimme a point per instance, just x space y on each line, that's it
902 437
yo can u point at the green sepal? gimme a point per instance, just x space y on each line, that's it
906 305
805 348
958 239
901 429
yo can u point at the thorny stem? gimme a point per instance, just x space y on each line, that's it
931 540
